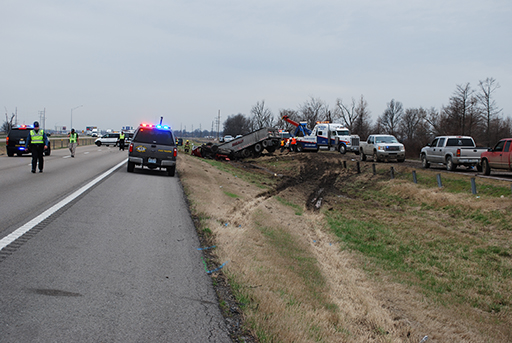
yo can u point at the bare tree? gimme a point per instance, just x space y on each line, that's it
6 126
362 124
313 110
488 104
237 125
389 121
261 116
292 114
347 113
462 112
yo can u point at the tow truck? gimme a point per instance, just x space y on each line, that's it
324 136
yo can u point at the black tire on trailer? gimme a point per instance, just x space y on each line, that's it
265 143
258 148
246 153
271 149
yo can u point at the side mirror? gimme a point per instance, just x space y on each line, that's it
489 149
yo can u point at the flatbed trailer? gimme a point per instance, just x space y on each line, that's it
249 145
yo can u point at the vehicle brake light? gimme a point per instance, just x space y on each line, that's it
130 149
175 152
458 152
7 140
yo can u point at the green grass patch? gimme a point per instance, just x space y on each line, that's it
231 195
298 209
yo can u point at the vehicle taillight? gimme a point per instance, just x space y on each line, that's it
458 152
7 140
130 149
175 153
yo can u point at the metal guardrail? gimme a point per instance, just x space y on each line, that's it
56 143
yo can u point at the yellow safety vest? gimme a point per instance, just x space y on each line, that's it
36 137
72 137
121 136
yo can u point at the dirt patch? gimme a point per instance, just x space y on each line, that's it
246 222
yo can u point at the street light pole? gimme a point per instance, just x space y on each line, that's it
72 116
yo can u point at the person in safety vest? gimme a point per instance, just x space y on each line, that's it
293 144
37 141
187 146
73 142
121 140
282 144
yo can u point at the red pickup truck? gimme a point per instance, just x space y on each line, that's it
499 157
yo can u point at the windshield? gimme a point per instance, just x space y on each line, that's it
385 139
154 137
19 134
342 132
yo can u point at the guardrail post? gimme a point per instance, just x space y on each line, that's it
358 167
439 183
392 172
373 169
414 178
473 185
345 164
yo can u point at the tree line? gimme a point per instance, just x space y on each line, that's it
470 111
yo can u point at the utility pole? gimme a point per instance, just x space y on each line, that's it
218 126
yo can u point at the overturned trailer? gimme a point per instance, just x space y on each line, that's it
249 145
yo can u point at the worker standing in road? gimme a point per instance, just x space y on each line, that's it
37 141
73 142
121 141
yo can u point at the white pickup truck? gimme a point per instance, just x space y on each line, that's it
382 147
452 151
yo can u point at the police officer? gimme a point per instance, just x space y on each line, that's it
73 142
37 141
121 140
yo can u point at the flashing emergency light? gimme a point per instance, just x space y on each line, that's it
165 127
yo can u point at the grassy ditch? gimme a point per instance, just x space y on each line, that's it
452 246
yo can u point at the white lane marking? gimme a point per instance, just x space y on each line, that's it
30 225
66 157
85 153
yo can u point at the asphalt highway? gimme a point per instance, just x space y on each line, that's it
119 263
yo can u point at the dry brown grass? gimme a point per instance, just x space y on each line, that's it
275 253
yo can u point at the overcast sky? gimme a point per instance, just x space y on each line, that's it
133 61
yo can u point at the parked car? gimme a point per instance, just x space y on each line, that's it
228 138
16 139
153 146
108 139
382 147
452 151
499 157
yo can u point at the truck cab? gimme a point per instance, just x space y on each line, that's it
325 136
499 157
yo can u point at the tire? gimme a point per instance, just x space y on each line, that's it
19 154
10 153
48 152
400 160
258 148
131 167
363 156
342 149
424 163
271 149
265 143
485 167
171 171
299 147
98 143
449 164
479 167
375 157
246 153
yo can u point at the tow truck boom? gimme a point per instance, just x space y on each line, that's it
300 127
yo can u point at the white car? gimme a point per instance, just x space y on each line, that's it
228 138
108 139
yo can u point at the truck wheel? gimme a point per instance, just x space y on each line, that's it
450 165
424 163
486 168
299 147
400 159
342 149
375 157
131 167
363 156
171 171
265 143
10 153
258 148
246 153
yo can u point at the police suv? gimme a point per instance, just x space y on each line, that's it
16 139
153 146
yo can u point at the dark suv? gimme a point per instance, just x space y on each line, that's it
16 139
153 146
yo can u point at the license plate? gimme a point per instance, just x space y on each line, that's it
22 141
151 160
